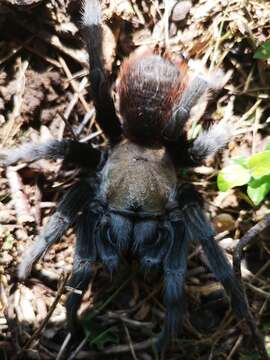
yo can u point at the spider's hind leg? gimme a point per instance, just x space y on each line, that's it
65 214
174 269
199 228
85 256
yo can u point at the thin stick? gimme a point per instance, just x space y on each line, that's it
72 133
78 348
63 346
235 347
50 312
237 256
75 88
119 349
130 342
246 240
22 206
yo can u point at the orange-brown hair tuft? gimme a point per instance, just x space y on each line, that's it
149 85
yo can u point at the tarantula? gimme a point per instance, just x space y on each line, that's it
132 199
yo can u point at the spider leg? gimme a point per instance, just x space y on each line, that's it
198 86
64 216
106 246
71 151
104 105
174 268
192 153
85 255
199 228
150 243
208 143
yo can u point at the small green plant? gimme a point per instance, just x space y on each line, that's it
253 171
97 334
263 52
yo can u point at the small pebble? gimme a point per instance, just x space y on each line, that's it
180 10
223 222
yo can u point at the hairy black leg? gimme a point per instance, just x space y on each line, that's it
107 248
71 151
92 34
189 98
85 255
198 87
65 214
174 268
121 228
150 243
208 143
193 153
199 228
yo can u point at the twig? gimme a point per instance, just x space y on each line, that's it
169 4
235 347
74 136
12 125
137 346
22 207
74 84
130 342
78 348
91 136
259 291
237 256
43 56
49 38
87 117
70 107
75 88
63 346
246 240
250 111
132 323
50 312
119 349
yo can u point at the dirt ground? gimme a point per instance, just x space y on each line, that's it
43 94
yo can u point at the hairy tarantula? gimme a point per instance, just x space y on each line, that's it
135 202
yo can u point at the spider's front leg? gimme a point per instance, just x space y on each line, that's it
193 152
198 228
64 216
71 151
93 36
199 86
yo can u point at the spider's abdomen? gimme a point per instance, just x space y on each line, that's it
148 87
136 177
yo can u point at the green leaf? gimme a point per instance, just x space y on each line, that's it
259 164
8 242
231 176
253 356
267 146
242 160
96 334
258 189
263 52
104 338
